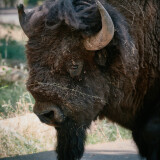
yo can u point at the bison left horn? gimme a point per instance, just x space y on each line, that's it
105 35
22 17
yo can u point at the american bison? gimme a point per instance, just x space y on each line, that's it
92 59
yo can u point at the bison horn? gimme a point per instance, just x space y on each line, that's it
22 17
105 35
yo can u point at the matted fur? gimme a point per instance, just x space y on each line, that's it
79 14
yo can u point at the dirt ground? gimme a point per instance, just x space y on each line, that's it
119 150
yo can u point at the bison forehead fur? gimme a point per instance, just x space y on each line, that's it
121 81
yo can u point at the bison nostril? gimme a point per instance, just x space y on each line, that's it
46 117
49 115
52 115
43 119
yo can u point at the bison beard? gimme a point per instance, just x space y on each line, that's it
70 140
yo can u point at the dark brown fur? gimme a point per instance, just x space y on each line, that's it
125 89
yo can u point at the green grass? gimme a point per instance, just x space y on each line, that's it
14 99
11 49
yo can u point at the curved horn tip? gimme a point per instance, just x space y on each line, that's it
101 8
98 3
20 7
105 35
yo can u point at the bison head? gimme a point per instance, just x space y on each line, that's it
68 75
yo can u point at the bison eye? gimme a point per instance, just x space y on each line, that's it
75 68
100 58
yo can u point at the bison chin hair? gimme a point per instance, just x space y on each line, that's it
70 140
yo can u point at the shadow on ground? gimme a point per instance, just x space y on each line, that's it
89 155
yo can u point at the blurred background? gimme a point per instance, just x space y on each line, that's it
13 3
20 130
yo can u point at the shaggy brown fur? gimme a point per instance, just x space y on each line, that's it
120 82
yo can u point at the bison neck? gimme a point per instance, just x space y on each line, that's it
143 20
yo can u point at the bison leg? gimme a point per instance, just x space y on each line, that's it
147 138
70 141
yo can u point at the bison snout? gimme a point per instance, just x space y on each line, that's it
51 115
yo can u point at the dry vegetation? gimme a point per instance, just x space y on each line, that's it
13 31
21 132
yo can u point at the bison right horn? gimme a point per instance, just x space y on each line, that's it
105 35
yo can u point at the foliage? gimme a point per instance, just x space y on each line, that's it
9 3
103 131
12 43
11 49
13 3
25 2
32 2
